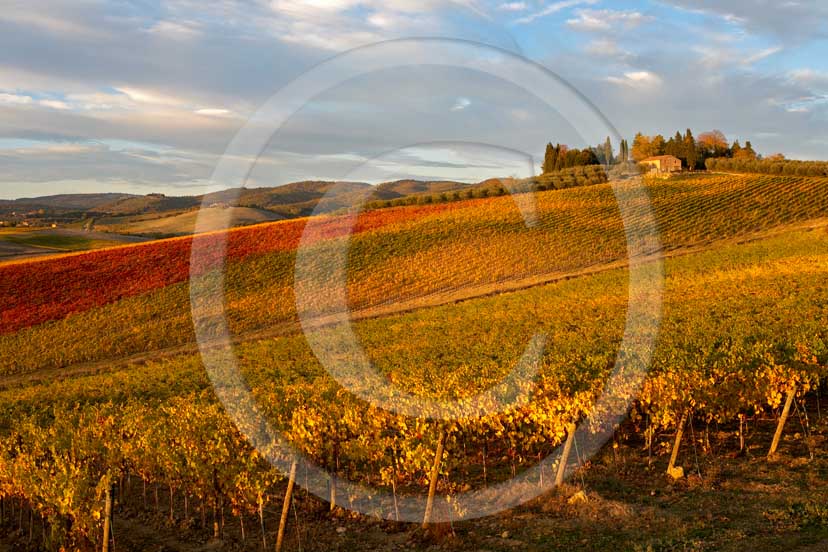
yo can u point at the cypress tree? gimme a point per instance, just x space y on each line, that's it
549 159
690 150
658 144
678 147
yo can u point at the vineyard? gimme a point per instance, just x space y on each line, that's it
742 344
110 304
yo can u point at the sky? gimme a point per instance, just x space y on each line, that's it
140 96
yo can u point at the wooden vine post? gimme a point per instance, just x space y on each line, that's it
433 477
280 537
741 433
671 467
333 493
261 521
333 478
782 419
107 527
567 450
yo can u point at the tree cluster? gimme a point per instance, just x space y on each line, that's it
772 165
681 146
693 152
560 156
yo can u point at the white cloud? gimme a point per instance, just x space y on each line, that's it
716 57
151 97
589 23
99 101
54 104
553 8
604 20
641 80
343 24
804 75
381 20
512 6
15 99
812 88
461 104
759 56
792 21
43 149
329 5
809 77
213 112
607 48
177 30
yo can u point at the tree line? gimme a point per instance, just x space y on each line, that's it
572 177
773 166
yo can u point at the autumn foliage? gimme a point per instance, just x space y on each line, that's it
35 292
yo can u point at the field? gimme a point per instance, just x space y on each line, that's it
184 223
16 244
446 299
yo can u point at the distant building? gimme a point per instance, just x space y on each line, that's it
663 163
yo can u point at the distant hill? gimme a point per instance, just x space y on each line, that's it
212 218
291 200
144 214
73 202
410 187
152 203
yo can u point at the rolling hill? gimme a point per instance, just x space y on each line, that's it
99 363
139 205
294 198
66 202
398 254
142 215
402 188
212 218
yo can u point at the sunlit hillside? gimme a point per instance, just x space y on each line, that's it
135 300
743 333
